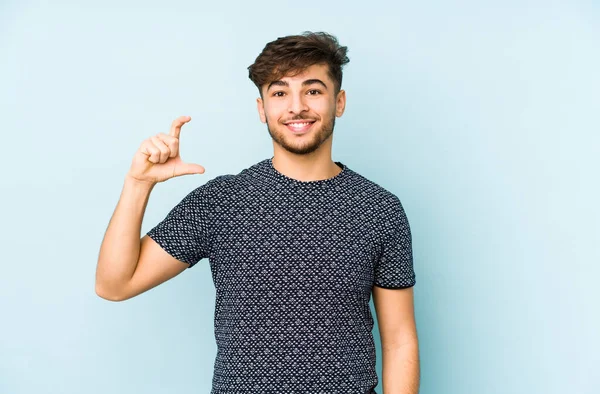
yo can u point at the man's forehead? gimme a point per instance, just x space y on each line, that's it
315 72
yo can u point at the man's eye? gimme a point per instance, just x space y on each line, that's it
313 92
278 94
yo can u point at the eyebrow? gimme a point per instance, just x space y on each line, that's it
304 83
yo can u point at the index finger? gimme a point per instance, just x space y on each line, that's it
176 125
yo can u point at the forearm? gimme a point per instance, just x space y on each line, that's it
120 247
401 371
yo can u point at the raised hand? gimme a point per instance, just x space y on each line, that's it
158 158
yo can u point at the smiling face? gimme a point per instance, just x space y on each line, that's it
300 110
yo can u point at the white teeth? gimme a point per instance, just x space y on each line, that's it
298 125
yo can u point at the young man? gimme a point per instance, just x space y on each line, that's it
296 243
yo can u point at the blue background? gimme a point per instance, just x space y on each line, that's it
483 117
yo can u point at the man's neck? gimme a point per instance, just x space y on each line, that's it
306 168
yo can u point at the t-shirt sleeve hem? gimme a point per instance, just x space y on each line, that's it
402 286
165 246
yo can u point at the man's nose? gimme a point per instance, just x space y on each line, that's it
297 104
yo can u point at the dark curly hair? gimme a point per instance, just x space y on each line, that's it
290 55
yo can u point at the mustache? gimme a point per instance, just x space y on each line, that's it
311 118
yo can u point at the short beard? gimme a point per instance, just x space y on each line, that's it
318 137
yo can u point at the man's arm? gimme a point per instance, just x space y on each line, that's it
128 266
399 343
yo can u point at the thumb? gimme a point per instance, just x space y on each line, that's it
187 169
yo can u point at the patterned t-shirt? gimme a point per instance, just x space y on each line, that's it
293 264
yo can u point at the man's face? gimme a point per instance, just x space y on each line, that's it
300 111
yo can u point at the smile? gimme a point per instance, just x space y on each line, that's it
299 127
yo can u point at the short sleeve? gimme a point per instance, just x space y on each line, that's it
394 268
184 232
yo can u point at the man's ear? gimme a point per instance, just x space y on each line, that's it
340 103
261 110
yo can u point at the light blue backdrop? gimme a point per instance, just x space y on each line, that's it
483 117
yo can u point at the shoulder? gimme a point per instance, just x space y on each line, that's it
228 182
381 198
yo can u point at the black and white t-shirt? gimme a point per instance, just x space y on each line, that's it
293 264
